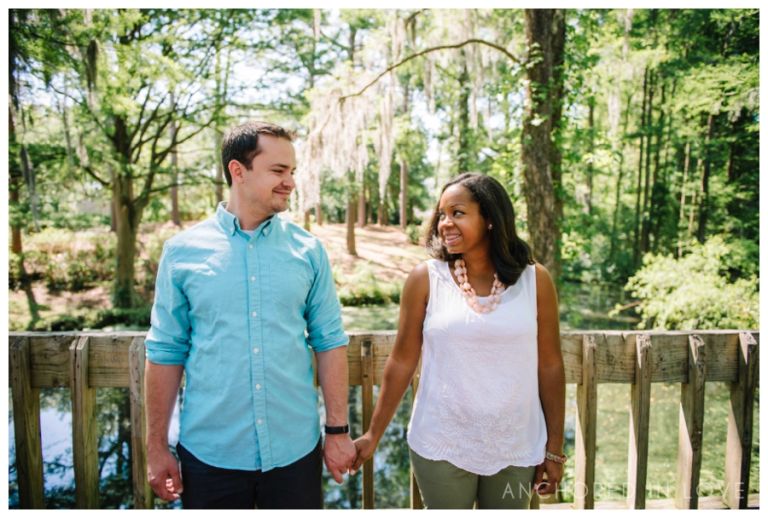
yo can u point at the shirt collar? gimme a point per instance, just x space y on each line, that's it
230 224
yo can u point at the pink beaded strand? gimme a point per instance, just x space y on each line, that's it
460 269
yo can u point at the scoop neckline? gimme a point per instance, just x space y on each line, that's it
447 267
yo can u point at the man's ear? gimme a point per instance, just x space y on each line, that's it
236 170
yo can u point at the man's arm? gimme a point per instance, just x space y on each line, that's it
167 347
161 387
333 375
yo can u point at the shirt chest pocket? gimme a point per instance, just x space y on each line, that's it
215 290
289 285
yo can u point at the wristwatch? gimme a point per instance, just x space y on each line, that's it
336 430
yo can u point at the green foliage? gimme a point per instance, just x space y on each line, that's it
362 288
69 260
697 291
415 234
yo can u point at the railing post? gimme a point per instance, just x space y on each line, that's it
366 352
416 502
586 427
739 441
691 427
26 426
85 439
639 420
143 498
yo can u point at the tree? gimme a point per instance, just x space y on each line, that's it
545 31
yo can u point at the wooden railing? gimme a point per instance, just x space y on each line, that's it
84 362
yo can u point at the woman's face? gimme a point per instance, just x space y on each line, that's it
460 225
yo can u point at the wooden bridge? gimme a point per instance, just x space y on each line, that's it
84 362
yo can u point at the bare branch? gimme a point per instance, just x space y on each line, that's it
427 51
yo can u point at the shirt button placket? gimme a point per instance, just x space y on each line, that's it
256 281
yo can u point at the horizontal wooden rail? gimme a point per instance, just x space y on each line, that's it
84 362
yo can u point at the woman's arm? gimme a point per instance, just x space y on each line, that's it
551 377
401 363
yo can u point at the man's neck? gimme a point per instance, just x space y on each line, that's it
248 219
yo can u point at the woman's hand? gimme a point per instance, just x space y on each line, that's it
548 485
365 446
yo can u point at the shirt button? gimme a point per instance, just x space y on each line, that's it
253 277
256 350
253 314
250 246
258 421
258 387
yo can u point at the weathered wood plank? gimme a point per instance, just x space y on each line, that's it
367 353
639 421
586 426
26 425
691 427
739 440
143 497
571 346
108 359
49 358
85 440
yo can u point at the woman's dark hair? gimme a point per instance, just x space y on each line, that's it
241 143
509 253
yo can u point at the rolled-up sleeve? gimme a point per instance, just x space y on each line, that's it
323 311
167 341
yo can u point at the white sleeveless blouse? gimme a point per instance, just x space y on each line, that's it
478 404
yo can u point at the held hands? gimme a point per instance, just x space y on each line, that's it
163 474
365 446
339 454
554 473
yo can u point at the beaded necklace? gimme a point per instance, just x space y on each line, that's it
460 269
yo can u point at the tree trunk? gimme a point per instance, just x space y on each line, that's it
590 164
128 216
704 206
638 207
645 227
220 180
318 213
655 212
383 212
351 207
175 217
361 219
545 30
464 153
403 193
681 219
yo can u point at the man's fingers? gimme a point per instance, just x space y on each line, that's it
337 476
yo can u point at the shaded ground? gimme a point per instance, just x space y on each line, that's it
383 252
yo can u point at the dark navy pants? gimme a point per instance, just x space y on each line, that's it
296 486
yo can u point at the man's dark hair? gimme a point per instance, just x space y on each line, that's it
509 253
241 143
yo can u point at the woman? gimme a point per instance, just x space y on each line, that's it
487 423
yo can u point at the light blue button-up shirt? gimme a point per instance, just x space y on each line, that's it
240 313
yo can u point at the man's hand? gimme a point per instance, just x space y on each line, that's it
365 446
163 474
548 485
339 453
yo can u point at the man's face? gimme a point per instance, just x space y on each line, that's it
268 184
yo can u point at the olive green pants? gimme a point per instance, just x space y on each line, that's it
444 486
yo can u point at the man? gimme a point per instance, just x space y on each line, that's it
239 300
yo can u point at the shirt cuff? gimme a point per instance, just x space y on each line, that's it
161 357
330 343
